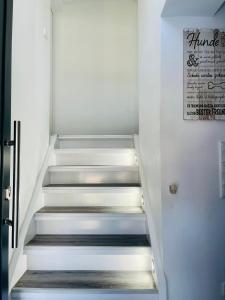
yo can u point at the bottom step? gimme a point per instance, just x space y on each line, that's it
68 285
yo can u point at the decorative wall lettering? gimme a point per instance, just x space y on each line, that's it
204 74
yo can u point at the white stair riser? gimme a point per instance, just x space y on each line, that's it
87 250
73 142
66 295
122 157
93 176
70 262
93 197
89 224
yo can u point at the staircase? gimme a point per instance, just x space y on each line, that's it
91 238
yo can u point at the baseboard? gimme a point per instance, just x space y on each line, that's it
158 266
17 264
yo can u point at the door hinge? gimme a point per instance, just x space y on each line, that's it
8 222
9 143
8 193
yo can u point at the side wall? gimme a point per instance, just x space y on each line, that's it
193 220
190 225
31 88
149 101
95 67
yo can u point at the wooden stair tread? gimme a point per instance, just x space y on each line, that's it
94 185
109 280
90 209
90 240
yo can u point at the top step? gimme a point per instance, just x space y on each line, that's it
94 141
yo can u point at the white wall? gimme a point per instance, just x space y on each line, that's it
193 220
149 101
190 225
95 67
31 88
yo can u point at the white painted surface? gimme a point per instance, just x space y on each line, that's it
98 259
94 141
92 196
92 175
89 262
95 157
157 263
18 263
221 148
191 7
70 295
88 250
193 220
95 67
90 223
31 89
18 269
149 102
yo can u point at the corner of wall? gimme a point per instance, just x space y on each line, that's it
151 222
18 263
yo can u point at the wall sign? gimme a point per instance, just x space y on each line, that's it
204 74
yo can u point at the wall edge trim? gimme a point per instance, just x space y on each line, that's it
161 277
17 253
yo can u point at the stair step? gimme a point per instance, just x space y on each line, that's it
89 252
93 185
92 196
90 220
105 141
87 280
90 210
90 240
95 157
92 175
68 285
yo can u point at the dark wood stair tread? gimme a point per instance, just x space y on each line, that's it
91 209
95 185
86 280
90 240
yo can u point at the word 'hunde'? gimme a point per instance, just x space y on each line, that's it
195 40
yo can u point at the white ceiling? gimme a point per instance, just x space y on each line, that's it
191 7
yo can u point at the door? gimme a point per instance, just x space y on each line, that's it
6 7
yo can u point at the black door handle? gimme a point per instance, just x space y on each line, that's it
14 222
18 181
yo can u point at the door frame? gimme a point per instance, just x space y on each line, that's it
6 16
